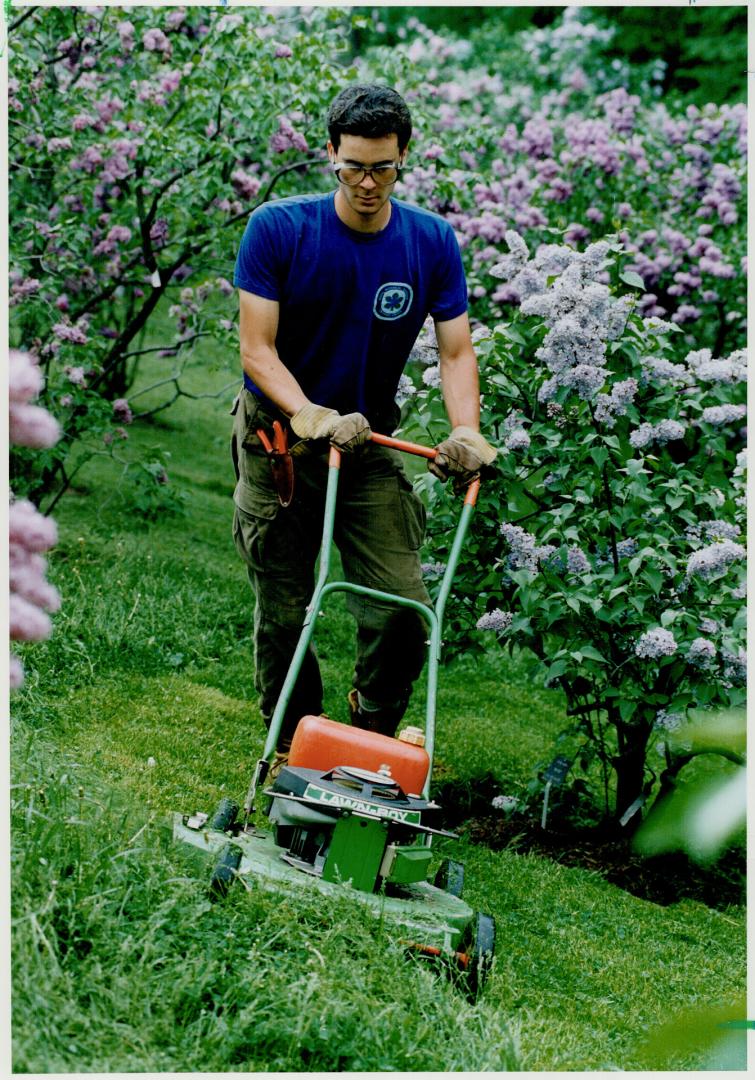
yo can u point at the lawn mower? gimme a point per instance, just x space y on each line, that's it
352 808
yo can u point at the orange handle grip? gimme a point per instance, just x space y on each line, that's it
401 444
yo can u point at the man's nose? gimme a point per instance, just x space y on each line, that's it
368 181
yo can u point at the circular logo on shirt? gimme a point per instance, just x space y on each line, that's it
393 300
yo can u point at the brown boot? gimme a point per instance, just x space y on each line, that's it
384 721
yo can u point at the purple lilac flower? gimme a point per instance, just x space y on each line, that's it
245 184
666 721
498 621
576 233
431 376
66 332
517 440
577 562
655 643
732 369
735 667
701 653
283 52
711 561
75 375
718 415
522 554
609 406
436 569
126 31
662 370
158 232
154 40
661 433
585 379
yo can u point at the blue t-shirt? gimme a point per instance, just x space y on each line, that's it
351 303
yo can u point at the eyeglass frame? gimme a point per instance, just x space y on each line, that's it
338 165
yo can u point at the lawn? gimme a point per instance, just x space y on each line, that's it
142 703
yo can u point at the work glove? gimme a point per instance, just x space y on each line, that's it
461 456
347 432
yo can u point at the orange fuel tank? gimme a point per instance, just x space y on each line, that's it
319 743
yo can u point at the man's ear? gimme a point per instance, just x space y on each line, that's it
331 152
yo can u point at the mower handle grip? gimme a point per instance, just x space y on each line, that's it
401 444
472 490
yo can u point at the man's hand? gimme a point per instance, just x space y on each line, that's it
347 433
462 455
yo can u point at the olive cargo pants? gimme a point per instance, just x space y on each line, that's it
379 528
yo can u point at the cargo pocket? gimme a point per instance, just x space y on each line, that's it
253 521
413 513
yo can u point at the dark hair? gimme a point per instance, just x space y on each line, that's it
370 111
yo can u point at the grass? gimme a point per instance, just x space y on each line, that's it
142 703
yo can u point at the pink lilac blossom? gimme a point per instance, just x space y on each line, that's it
655 643
122 411
287 138
76 376
20 290
246 185
70 332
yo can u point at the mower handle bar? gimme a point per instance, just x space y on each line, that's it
472 490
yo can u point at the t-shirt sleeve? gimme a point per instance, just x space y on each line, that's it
261 255
450 285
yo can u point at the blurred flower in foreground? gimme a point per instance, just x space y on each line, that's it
29 532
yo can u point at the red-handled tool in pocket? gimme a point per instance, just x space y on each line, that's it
281 463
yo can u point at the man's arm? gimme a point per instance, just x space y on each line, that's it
458 372
258 326
465 451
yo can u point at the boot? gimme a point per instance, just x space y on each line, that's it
384 719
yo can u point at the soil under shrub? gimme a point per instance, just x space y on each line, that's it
662 879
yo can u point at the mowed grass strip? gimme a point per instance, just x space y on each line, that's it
122 964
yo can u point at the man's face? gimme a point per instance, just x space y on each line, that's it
368 198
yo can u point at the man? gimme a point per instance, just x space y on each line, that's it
333 292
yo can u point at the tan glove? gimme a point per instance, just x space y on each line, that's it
347 432
462 455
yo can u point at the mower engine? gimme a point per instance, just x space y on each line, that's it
352 825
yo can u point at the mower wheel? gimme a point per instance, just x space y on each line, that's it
450 877
224 816
481 953
225 871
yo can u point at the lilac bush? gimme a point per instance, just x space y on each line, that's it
550 138
609 543
139 141
29 532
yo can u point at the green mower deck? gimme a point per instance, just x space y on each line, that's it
429 916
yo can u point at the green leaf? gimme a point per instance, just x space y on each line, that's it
573 603
629 277
592 654
627 709
654 579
